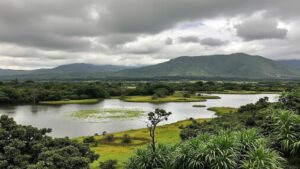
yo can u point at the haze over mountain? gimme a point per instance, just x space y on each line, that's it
238 65
291 63
76 68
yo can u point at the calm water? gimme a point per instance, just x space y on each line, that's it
58 117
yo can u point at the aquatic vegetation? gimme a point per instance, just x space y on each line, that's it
111 113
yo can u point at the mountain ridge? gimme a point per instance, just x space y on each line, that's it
237 65
292 63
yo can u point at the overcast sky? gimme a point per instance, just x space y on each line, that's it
47 33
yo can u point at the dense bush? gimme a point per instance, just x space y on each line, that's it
109 164
126 139
29 147
244 149
291 100
89 140
110 137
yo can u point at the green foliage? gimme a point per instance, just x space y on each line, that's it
109 164
154 119
110 137
261 157
88 140
29 147
126 139
291 100
237 65
224 150
286 131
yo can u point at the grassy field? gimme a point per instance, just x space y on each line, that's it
177 97
242 92
85 101
107 114
222 110
164 134
199 105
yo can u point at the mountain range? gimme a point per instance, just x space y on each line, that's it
291 63
238 65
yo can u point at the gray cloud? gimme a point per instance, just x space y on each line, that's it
188 39
169 41
255 29
206 41
77 27
64 19
213 42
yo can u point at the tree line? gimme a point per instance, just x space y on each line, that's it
32 92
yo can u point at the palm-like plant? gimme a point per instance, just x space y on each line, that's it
221 151
226 150
261 157
190 155
250 138
287 131
147 159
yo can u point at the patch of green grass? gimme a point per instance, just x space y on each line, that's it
210 97
199 105
243 92
222 110
84 101
163 99
108 114
167 134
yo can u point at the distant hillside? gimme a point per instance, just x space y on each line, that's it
237 65
76 69
290 63
80 68
10 72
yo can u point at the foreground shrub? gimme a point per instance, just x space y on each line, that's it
29 147
225 150
109 164
261 157
148 159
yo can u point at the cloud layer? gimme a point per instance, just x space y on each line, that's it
48 33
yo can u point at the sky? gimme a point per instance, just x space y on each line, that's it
47 33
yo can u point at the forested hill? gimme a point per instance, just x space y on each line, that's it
77 69
238 65
291 63
233 66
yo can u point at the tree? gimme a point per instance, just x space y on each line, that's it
155 118
29 147
89 140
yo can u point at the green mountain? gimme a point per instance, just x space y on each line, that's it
295 63
80 68
238 65
70 70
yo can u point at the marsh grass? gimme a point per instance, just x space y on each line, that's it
84 101
163 99
199 105
222 110
108 114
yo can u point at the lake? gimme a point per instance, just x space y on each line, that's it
63 124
